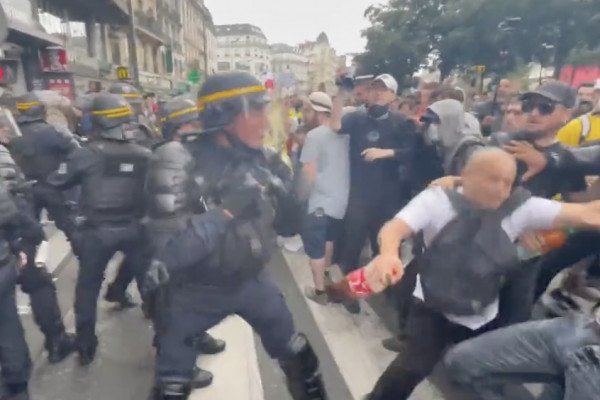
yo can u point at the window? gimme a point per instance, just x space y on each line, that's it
223 66
116 53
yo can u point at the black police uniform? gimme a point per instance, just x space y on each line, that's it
15 363
38 152
143 132
219 265
35 280
111 172
169 212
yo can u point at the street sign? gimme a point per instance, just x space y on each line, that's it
480 69
123 73
194 76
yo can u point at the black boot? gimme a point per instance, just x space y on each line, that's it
301 368
171 389
202 378
60 347
206 344
87 351
17 391
124 299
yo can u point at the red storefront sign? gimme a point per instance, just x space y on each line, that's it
54 59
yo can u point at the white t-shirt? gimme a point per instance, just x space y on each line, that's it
432 210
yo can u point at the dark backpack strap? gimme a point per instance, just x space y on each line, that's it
517 198
459 202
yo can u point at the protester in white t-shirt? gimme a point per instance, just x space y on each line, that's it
487 181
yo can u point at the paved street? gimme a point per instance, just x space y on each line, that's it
349 346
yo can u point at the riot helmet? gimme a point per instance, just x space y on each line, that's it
130 93
175 114
225 96
111 114
31 108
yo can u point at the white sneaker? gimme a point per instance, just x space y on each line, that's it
293 244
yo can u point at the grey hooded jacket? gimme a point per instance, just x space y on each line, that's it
452 132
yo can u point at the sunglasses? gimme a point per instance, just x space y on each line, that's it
544 107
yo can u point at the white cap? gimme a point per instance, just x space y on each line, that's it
321 102
597 85
388 81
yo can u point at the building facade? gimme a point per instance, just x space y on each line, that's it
242 47
322 62
59 45
290 69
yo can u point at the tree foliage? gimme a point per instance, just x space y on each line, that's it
408 34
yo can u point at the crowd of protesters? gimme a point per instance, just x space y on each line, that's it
377 170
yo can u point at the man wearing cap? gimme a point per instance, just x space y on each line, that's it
326 183
382 148
547 109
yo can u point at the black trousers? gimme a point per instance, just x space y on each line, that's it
429 334
363 221
53 200
37 282
99 244
15 362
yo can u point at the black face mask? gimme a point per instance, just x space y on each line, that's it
377 111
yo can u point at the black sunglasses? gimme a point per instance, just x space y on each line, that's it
544 107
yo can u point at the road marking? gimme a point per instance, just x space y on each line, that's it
236 371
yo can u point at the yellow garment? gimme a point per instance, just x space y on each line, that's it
297 115
570 134
277 136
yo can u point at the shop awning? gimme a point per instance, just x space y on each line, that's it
20 32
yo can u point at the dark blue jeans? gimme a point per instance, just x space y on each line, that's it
562 352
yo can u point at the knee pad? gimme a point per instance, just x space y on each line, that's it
33 279
173 388
301 367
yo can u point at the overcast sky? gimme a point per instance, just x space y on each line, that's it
294 21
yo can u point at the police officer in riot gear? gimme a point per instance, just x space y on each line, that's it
38 152
35 280
146 133
220 262
111 172
15 363
169 209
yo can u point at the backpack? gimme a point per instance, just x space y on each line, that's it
463 269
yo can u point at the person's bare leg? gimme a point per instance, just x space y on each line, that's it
318 270
328 254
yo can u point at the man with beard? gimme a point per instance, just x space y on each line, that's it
585 128
326 183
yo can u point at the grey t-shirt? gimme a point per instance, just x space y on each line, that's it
330 151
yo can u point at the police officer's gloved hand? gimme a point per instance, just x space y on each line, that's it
156 276
242 202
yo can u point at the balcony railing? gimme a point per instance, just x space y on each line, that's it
150 24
